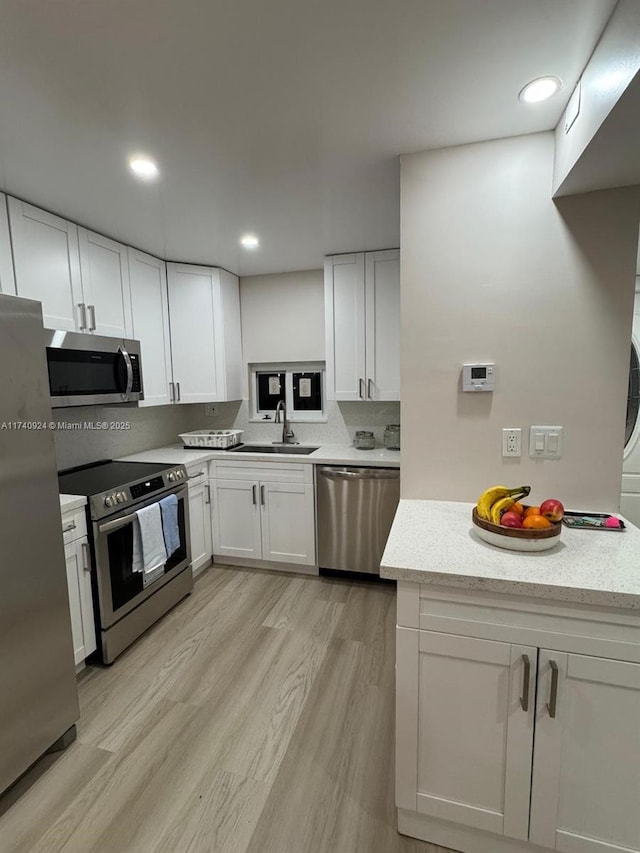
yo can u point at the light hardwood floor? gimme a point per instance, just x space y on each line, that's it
256 717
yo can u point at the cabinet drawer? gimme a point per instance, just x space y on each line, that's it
271 472
74 525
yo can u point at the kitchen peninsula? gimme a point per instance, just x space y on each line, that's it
518 686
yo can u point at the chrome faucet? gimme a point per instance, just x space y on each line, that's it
287 433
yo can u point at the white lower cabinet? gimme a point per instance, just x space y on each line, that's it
263 512
503 746
78 563
199 518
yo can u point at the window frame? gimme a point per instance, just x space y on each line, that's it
257 415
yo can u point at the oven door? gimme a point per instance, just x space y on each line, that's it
92 370
119 589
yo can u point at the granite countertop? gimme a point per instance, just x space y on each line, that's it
434 542
71 502
328 454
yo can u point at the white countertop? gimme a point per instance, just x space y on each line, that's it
435 542
328 454
71 502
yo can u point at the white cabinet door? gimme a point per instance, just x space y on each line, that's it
345 327
199 522
586 767
464 740
236 519
80 603
7 280
47 265
150 316
382 298
104 270
288 526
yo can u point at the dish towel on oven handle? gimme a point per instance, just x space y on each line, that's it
169 510
149 550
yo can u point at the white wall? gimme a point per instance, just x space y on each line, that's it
283 317
494 270
611 140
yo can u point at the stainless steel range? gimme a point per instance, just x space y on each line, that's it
127 601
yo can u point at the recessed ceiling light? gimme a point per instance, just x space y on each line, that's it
250 241
143 167
540 89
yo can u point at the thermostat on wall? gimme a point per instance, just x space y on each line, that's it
478 377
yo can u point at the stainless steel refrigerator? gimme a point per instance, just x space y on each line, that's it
38 696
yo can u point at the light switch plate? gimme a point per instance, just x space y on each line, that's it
545 442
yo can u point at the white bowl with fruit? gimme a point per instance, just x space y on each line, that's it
500 518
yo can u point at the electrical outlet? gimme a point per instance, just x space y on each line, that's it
512 442
209 410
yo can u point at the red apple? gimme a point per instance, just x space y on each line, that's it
552 509
511 519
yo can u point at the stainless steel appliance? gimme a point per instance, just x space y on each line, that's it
89 370
38 697
354 512
128 602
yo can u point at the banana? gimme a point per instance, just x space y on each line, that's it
500 507
497 493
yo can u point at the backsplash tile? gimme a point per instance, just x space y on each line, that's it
343 419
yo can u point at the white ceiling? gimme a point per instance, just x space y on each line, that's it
282 117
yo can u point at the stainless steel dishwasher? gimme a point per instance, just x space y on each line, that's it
354 512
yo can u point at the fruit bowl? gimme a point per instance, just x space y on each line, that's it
516 539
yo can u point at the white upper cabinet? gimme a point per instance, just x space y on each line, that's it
7 281
47 265
204 307
362 313
81 278
150 315
104 271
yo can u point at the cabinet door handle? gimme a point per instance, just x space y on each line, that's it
178 391
92 313
524 699
172 392
253 494
553 695
370 388
70 526
362 389
262 495
86 563
82 316
207 500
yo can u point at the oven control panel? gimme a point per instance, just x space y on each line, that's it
116 498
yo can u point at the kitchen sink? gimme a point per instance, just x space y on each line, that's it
274 448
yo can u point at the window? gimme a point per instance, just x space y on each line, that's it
299 385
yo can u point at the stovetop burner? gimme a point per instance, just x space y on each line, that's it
105 475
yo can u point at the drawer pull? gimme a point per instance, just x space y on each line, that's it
524 699
71 525
553 696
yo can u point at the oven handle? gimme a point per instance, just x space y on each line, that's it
129 366
123 520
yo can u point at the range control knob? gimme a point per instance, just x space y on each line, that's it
125 497
109 500
120 498
172 476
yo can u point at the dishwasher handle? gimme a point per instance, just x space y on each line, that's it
359 473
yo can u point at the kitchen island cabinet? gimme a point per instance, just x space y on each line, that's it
518 687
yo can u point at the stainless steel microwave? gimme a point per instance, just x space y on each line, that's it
89 370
